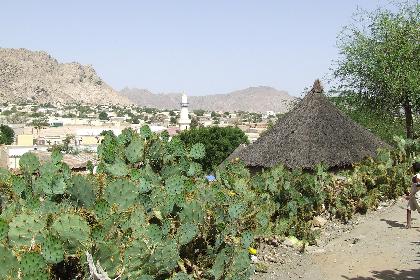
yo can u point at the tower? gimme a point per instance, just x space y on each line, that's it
184 120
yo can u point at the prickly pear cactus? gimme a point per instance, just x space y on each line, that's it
198 151
186 233
73 231
109 256
25 229
9 264
33 266
4 229
163 259
118 168
135 151
29 163
101 209
52 249
121 193
82 191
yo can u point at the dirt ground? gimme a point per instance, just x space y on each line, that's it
372 246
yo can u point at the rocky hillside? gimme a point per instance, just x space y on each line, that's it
37 77
253 99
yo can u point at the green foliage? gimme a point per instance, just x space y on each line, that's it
25 229
103 116
52 249
383 124
380 64
159 218
6 134
29 163
219 143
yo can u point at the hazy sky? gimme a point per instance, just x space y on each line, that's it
199 47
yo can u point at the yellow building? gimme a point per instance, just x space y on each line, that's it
25 140
90 140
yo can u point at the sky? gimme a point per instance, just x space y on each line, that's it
196 47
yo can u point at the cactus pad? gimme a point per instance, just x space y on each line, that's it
82 191
72 230
29 163
134 151
52 249
186 233
198 151
23 228
4 229
122 193
33 266
8 262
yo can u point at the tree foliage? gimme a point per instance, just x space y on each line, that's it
380 62
103 116
219 142
6 134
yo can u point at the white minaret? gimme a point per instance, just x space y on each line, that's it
184 120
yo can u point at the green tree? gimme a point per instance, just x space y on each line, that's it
172 120
219 142
39 124
380 63
6 134
385 126
199 112
103 116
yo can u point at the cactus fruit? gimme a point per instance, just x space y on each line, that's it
52 249
82 191
135 150
186 233
72 230
24 229
122 193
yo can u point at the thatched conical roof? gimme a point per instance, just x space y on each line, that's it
315 131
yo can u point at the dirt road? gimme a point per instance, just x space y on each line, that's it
375 246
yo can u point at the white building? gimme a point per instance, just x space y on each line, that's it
184 120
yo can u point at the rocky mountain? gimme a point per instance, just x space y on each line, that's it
252 99
37 77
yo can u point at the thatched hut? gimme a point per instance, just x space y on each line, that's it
314 132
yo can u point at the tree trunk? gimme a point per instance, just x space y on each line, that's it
408 119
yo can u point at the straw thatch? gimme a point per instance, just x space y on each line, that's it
314 132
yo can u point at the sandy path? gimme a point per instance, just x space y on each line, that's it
377 247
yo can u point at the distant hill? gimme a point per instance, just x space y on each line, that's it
37 77
252 99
